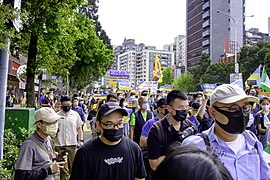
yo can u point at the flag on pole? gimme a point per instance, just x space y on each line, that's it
255 76
157 71
265 81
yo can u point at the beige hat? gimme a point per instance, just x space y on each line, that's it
228 93
47 114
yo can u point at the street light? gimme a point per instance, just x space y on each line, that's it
235 43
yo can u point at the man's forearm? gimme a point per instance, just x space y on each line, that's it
80 134
156 162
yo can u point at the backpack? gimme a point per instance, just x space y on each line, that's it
161 133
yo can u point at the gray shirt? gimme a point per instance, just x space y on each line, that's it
33 157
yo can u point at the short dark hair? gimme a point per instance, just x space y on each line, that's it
264 99
121 103
65 98
45 101
109 96
176 94
182 160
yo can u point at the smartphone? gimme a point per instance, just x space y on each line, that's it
61 155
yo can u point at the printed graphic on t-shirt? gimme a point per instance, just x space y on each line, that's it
111 161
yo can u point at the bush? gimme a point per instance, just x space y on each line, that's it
11 150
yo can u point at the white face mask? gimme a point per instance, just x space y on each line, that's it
266 107
52 129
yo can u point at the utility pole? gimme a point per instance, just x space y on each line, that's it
4 59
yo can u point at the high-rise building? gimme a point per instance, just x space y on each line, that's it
127 62
140 63
180 59
211 32
253 35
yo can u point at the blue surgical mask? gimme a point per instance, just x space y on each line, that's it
144 106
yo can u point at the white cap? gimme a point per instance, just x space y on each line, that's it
47 114
228 93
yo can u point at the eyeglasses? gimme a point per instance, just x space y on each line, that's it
112 125
234 108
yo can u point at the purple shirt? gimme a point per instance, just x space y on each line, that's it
248 163
147 126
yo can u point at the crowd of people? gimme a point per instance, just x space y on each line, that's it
145 135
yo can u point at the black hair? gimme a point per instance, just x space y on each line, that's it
188 162
176 94
109 96
121 103
132 94
45 101
75 98
119 94
264 99
195 105
65 98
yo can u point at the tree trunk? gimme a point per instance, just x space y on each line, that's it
31 68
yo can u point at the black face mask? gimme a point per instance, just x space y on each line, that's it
66 108
237 121
113 135
180 115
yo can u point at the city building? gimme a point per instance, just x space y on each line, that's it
127 62
253 35
211 32
139 63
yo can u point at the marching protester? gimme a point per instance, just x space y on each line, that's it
262 120
70 128
162 112
78 109
166 131
138 119
37 159
110 155
227 137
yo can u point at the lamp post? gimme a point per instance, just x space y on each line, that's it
235 41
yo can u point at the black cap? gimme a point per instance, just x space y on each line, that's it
161 102
144 93
108 108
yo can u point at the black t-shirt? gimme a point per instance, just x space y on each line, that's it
98 161
155 148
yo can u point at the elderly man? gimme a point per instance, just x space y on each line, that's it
36 157
238 149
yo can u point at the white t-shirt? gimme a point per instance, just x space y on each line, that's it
237 144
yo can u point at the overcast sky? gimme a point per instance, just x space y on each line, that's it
157 22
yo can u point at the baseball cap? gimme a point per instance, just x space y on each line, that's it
228 93
108 108
161 102
47 114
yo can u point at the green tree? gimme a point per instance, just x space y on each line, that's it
91 10
217 73
185 82
7 31
95 58
251 57
48 37
200 68
167 76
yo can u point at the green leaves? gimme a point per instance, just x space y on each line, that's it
167 76
185 82
251 57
